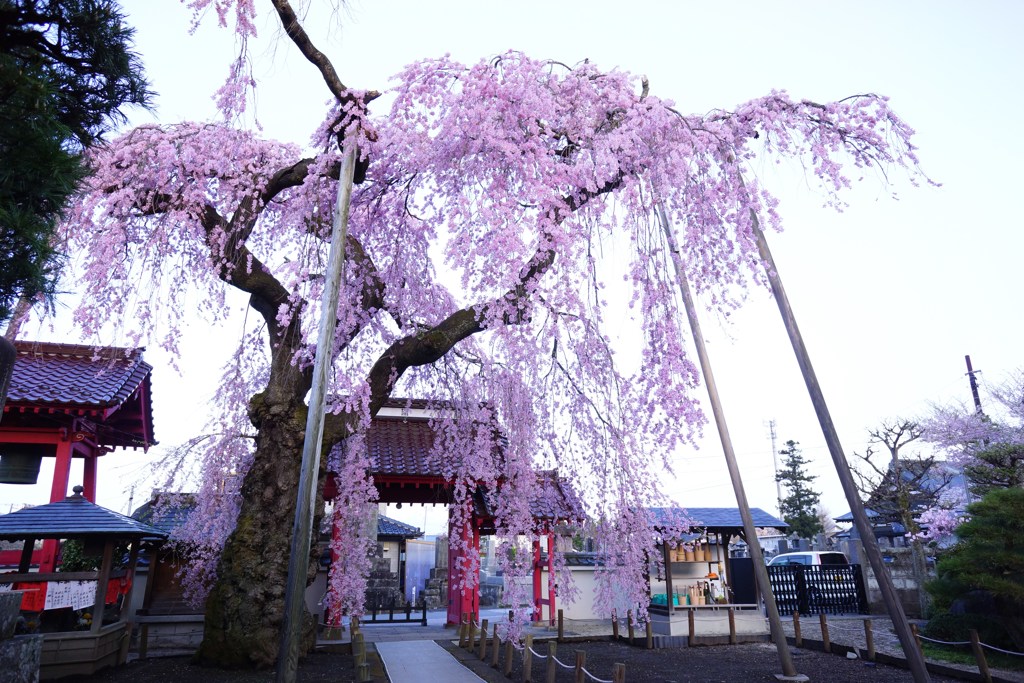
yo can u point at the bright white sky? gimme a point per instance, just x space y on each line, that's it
890 295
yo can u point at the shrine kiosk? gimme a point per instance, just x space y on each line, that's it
82 615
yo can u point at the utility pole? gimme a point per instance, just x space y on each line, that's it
971 372
775 462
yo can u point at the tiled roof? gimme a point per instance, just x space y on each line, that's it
721 518
392 527
73 375
848 517
73 517
402 446
108 383
166 518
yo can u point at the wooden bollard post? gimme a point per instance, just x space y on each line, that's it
629 625
363 672
917 637
979 655
650 634
732 626
615 627
692 625
561 626
358 649
463 623
507 669
483 640
798 638
552 668
581 662
528 660
619 673
497 648
869 640
825 641
470 635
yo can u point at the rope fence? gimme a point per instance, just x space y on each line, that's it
968 642
468 630
504 649
847 633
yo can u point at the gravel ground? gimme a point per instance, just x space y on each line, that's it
726 663
748 663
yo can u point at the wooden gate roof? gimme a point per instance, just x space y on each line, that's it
406 469
109 386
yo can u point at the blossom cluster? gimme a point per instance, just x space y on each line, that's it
522 191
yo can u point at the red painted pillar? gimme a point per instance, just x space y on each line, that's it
58 491
552 612
61 471
538 598
89 478
463 566
333 616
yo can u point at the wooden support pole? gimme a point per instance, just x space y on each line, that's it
305 494
629 625
507 669
650 634
825 641
363 672
528 660
979 656
749 531
915 661
798 638
561 625
581 662
869 640
732 626
691 624
497 648
463 629
552 668
619 673
615 627
471 636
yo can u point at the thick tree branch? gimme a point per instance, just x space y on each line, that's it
427 346
298 35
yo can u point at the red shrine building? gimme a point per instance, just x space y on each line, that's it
68 401
407 470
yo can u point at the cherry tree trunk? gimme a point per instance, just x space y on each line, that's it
245 609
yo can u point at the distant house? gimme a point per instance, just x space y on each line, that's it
909 485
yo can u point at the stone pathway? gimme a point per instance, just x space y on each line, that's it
415 661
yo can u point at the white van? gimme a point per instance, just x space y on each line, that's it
810 557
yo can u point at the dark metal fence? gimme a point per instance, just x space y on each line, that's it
396 614
819 589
